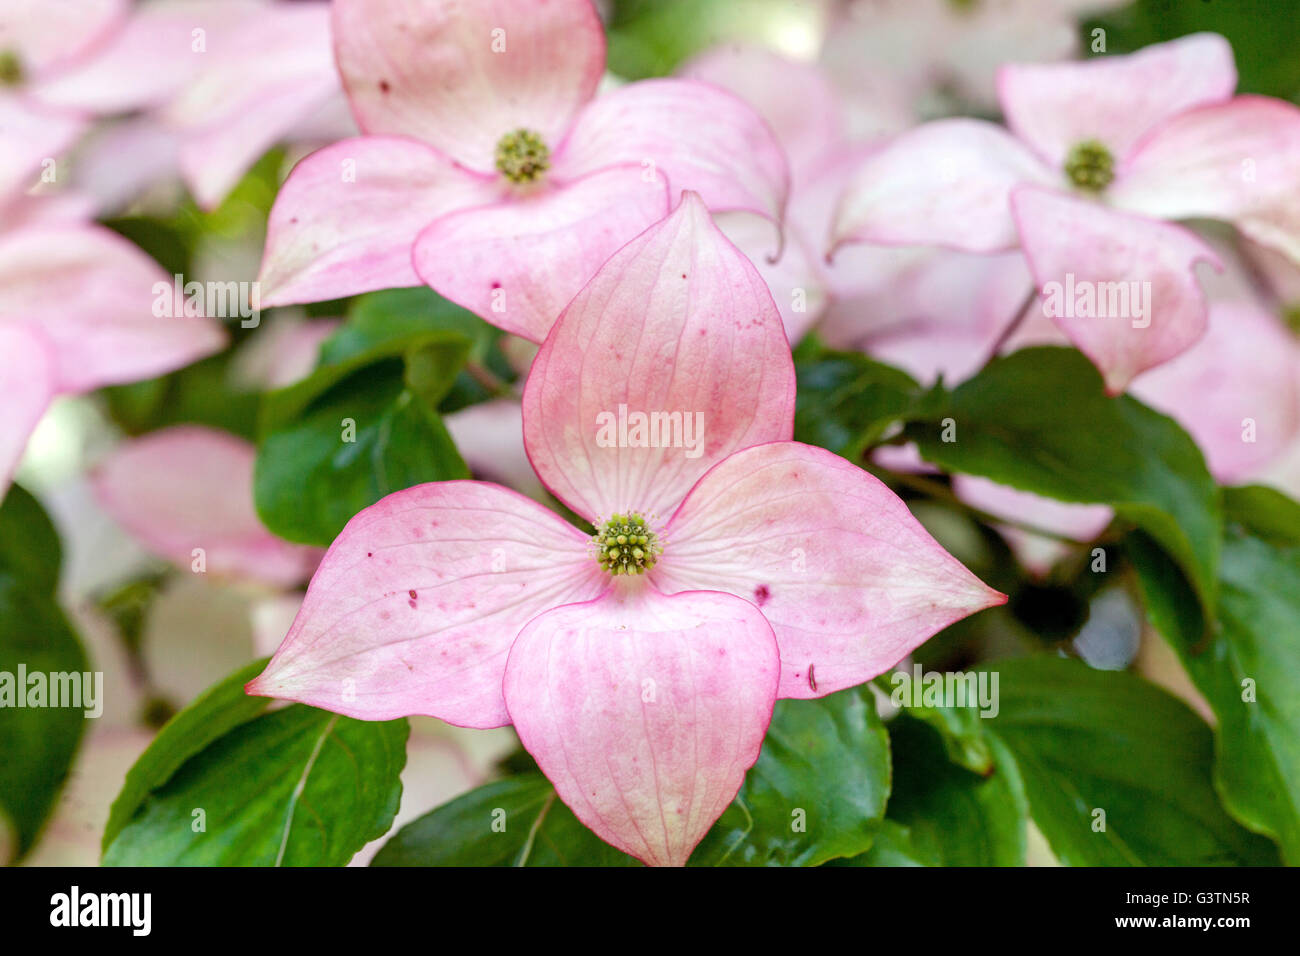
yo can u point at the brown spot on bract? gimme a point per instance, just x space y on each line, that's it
383 86
413 594
761 594
812 680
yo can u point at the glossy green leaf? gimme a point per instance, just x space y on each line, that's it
846 401
953 815
37 744
1249 668
514 822
895 845
1039 420
29 543
817 792
294 787
1117 771
218 710
369 436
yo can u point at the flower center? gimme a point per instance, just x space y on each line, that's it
1291 316
1090 165
625 544
522 157
11 68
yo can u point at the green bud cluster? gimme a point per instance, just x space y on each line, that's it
625 544
1090 165
11 68
522 157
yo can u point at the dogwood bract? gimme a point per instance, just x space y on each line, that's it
489 171
1095 150
639 665
76 314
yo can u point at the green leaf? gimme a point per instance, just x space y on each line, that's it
817 792
895 845
218 710
1088 740
954 816
308 480
1249 668
379 317
827 758
29 542
205 393
961 729
514 822
846 401
37 744
1039 420
437 349
295 787
364 424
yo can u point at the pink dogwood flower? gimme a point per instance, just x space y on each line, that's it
1098 155
490 170
640 665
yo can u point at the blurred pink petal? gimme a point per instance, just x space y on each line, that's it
117 162
928 48
794 280
49 35
272 71
95 296
1237 390
159 48
707 346
1114 100
797 100
490 437
941 313
32 135
27 381
1038 554
286 351
946 183
416 603
189 487
1138 274
645 711
1237 161
849 580
462 75
520 262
